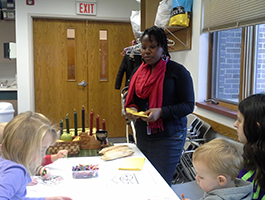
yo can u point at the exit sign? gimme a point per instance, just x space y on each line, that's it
86 8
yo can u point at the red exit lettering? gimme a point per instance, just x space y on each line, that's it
86 8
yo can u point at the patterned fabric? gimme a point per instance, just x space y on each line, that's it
72 147
258 194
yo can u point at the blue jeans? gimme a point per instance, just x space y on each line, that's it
164 153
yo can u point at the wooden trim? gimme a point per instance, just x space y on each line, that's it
220 128
220 109
143 15
242 63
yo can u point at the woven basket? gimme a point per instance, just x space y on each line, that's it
72 147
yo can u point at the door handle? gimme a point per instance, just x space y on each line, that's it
83 83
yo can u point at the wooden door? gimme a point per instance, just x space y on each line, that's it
56 95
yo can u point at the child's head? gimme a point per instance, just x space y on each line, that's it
217 163
26 138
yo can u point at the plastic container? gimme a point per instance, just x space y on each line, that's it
6 112
85 174
85 171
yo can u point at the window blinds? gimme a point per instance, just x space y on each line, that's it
228 14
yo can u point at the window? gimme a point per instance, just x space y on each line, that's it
259 81
238 63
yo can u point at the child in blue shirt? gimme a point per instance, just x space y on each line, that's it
25 141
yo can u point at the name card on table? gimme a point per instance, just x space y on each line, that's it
132 163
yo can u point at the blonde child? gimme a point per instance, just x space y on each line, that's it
217 164
25 141
48 159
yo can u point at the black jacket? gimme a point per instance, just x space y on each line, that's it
128 64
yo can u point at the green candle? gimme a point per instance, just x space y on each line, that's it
67 123
75 118
61 126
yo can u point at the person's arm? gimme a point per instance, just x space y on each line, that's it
47 160
183 92
61 154
12 180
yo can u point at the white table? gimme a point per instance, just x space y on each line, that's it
147 184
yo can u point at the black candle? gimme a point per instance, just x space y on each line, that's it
83 119
61 126
75 118
67 123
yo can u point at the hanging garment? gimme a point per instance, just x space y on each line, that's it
127 66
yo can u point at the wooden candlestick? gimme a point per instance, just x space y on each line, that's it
88 141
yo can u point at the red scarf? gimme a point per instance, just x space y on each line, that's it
144 84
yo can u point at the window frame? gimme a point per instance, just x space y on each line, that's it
247 72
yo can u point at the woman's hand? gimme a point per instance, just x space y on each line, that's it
58 198
131 116
153 114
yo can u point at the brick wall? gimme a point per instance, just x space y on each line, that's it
260 73
228 65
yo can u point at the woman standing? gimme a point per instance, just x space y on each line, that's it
164 90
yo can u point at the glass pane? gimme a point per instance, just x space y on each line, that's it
226 64
71 54
259 79
103 54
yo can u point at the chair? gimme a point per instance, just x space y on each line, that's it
197 137
185 171
190 119
129 123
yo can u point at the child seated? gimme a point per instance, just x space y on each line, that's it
217 164
25 141
48 159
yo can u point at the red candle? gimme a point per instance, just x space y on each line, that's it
97 118
104 124
91 122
